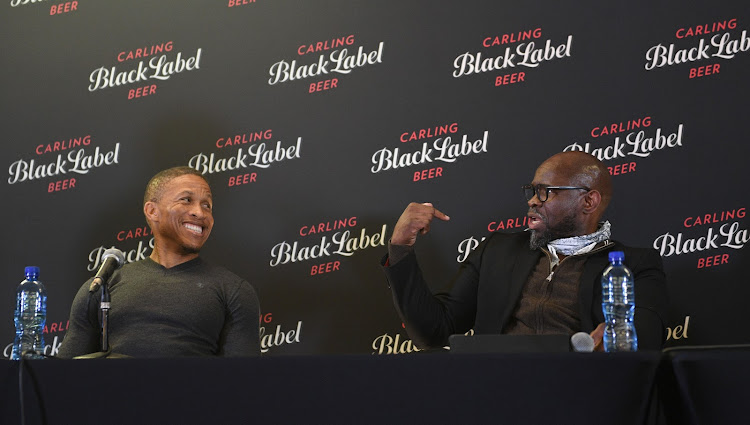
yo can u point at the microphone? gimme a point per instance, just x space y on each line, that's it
582 342
112 260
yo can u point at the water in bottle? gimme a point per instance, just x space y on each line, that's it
30 316
618 304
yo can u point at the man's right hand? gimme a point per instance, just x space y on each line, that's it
598 336
415 219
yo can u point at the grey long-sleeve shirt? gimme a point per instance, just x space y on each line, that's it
193 309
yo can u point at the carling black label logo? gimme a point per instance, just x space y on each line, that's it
702 48
325 61
64 162
145 66
509 56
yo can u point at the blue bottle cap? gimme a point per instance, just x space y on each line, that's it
616 255
31 271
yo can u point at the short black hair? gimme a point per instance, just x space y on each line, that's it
155 186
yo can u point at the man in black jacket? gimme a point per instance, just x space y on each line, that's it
542 281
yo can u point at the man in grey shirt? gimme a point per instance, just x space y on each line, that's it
172 303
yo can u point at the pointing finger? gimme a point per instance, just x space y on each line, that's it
440 215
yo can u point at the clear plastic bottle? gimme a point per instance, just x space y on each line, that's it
618 304
30 317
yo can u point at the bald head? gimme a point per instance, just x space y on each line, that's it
582 169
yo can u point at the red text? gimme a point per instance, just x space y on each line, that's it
63 8
325 268
241 139
714 218
703 71
328 226
504 80
512 38
713 261
326 45
430 173
142 91
138 232
61 185
242 179
625 168
324 85
706 29
620 127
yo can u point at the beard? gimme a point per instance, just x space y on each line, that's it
565 228
188 250
178 244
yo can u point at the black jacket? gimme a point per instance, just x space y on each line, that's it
486 289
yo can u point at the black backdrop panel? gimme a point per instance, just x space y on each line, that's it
317 123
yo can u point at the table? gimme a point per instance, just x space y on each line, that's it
705 385
355 389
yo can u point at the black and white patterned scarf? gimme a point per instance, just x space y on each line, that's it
580 244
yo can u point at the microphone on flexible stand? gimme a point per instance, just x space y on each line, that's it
581 342
112 260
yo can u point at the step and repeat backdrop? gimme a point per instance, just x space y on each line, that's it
318 122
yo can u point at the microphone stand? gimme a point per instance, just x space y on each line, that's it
112 259
104 307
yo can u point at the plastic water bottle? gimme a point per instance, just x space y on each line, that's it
30 316
618 304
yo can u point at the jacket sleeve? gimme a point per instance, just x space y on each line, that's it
431 318
651 299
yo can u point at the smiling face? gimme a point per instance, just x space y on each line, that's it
181 218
